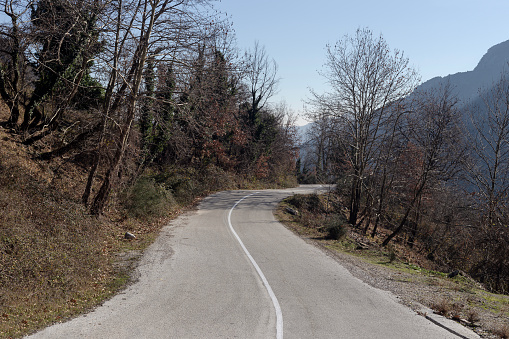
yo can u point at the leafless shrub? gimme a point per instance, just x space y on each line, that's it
443 307
456 311
502 332
473 316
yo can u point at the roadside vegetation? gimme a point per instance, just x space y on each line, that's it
115 116
58 260
429 172
323 221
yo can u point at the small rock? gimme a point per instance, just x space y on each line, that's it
292 211
453 273
129 236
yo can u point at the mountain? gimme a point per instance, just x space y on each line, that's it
304 143
302 132
466 85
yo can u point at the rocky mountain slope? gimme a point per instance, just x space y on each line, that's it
466 85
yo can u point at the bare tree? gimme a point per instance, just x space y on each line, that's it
283 151
365 78
488 167
14 35
433 151
48 47
261 78
260 81
389 147
488 176
163 29
323 149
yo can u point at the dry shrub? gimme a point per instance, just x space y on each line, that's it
147 199
316 212
315 221
456 311
491 260
392 253
187 183
213 179
443 307
181 182
502 332
473 316
310 203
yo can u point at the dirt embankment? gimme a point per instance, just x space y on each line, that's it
56 260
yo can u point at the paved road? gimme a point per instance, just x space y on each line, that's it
199 281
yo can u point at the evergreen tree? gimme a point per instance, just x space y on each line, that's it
67 35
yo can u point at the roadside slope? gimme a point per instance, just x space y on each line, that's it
426 291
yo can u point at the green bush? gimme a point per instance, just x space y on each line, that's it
309 202
392 254
314 203
181 182
336 227
147 199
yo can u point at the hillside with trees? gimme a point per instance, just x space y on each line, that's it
115 115
151 89
414 165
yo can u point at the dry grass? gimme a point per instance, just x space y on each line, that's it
502 331
57 261
443 307
473 317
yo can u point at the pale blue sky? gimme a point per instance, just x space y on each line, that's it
440 37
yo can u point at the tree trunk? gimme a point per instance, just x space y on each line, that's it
90 180
112 173
103 194
408 210
12 122
355 197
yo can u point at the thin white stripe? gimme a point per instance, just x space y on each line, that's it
279 314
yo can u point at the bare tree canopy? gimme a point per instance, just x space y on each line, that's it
261 75
433 148
365 78
163 30
488 165
139 82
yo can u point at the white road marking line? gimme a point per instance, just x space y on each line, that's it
279 314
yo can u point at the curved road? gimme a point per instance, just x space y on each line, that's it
200 280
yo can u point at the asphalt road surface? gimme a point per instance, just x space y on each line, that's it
229 270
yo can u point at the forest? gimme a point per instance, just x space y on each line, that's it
132 87
114 117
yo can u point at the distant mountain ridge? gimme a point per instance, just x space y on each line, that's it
466 85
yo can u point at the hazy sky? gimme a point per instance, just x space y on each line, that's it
440 37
